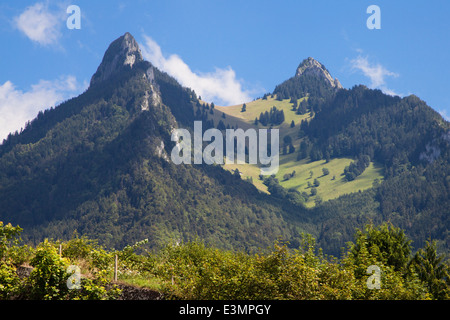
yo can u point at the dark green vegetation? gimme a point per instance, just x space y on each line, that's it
100 164
274 117
193 270
408 138
311 85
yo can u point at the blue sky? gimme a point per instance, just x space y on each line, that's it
227 51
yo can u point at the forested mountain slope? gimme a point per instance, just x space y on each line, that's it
99 164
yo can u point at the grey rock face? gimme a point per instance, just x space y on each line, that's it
313 67
124 51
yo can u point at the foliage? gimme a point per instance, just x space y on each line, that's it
298 87
386 244
316 183
193 270
199 272
9 280
48 278
355 169
432 271
274 117
291 195
9 235
88 254
387 248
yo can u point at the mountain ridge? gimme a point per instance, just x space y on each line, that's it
314 67
98 165
122 52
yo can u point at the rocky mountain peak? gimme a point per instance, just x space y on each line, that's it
311 66
122 52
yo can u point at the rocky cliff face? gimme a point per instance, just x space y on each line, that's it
123 52
313 67
311 78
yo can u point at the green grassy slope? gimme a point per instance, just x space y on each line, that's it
331 186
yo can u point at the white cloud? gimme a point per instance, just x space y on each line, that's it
39 24
220 86
375 72
17 107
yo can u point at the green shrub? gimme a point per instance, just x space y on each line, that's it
48 280
9 281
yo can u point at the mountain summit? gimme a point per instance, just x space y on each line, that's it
310 66
101 167
312 79
122 52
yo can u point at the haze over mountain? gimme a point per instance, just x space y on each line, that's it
99 163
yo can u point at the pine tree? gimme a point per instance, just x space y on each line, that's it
435 274
221 125
291 148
